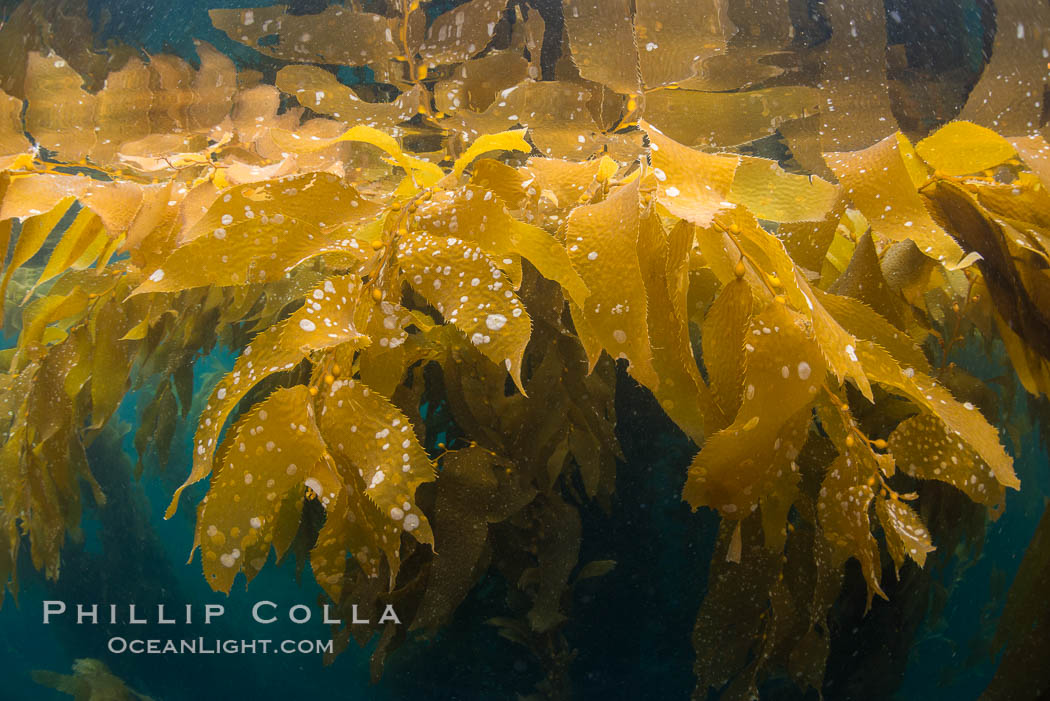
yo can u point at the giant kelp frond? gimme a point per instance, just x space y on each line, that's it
478 246
91 679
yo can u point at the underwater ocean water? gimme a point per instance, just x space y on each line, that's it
524 349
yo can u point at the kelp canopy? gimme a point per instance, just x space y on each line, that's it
462 251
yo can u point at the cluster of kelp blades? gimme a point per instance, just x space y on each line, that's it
463 234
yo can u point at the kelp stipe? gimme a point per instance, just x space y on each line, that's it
492 244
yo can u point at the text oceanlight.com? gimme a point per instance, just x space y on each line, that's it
203 646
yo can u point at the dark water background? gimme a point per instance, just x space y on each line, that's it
632 628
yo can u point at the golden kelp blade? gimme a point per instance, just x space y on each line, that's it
423 173
807 242
326 320
865 323
35 231
353 527
372 436
837 345
111 358
962 420
664 263
1033 370
906 534
1014 285
170 80
474 214
784 371
84 233
863 279
961 148
39 314
843 507
561 185
771 193
257 233
876 181
925 448
472 294
602 241
725 330
322 199
240 254
278 444
692 185
504 141
561 123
